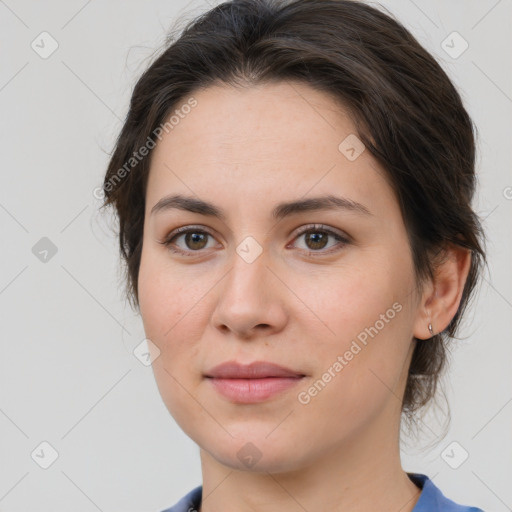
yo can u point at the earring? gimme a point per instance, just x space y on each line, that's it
430 330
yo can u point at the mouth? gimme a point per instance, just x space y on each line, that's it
252 383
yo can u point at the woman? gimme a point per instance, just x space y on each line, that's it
293 184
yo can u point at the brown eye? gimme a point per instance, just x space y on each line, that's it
187 241
317 238
196 240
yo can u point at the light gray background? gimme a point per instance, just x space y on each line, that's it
68 375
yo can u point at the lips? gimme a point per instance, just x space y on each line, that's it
255 370
252 383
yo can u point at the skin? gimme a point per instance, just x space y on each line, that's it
298 304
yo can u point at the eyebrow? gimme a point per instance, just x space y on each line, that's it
282 210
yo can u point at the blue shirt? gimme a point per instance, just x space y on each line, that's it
431 499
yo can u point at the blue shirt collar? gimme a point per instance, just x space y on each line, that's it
431 499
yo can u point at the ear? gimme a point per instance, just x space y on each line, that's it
441 296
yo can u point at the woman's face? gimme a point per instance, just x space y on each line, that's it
322 288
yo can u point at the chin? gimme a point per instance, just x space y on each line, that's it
275 463
256 452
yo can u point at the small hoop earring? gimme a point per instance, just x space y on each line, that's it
430 329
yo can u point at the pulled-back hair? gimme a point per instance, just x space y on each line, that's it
405 108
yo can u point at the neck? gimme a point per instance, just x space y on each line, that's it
364 473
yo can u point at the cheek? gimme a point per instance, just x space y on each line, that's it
365 320
172 306
168 312
346 301
166 297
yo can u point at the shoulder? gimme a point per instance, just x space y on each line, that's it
433 500
189 503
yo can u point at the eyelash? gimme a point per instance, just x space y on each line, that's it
313 228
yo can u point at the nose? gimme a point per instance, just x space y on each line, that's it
250 301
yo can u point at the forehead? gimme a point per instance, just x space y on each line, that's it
279 139
267 119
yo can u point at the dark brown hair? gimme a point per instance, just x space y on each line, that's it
406 110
